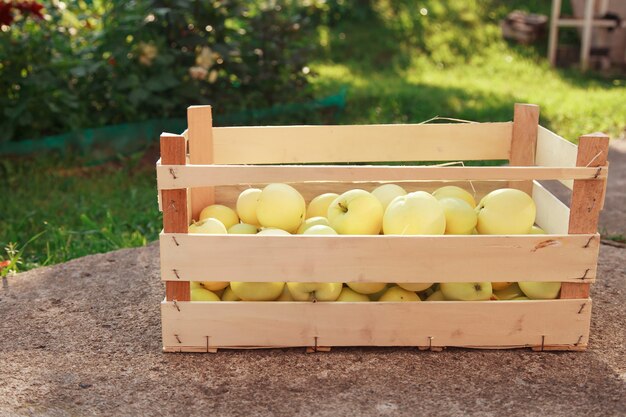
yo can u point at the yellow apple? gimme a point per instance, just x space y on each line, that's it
460 217
285 295
208 226
214 285
281 206
376 296
320 291
454 192
415 286
386 193
399 294
367 287
195 284
466 291
229 295
243 229
506 211
347 295
202 294
519 298
536 230
436 296
318 207
257 291
355 212
417 213
226 215
498 286
273 232
509 292
540 290
247 204
312 222
320 229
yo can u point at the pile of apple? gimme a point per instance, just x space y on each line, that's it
279 209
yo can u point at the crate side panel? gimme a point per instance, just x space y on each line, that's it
446 323
379 258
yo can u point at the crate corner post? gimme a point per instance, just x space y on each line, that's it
201 152
587 199
174 201
524 141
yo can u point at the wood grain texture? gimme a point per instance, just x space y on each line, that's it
524 140
200 136
174 204
379 258
552 214
199 175
587 199
554 151
486 324
361 143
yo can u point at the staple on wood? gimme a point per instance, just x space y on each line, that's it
176 305
173 173
178 339
582 307
589 242
178 244
176 273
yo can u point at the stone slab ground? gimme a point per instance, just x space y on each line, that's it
83 338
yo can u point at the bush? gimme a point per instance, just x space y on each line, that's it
84 66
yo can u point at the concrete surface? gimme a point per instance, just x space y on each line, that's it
83 338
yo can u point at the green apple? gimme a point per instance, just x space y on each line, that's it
466 291
229 295
355 212
320 291
281 206
273 232
536 230
509 292
454 192
312 222
214 285
367 287
506 211
386 193
460 217
243 229
498 286
436 296
208 226
415 286
202 294
376 296
257 291
417 213
247 203
226 215
285 295
318 207
398 294
540 290
320 229
347 295
195 284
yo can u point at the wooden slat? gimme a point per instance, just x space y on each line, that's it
554 151
174 203
524 140
552 214
171 177
361 143
446 323
200 134
587 199
379 258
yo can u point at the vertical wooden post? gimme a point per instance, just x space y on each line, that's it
587 199
585 46
554 31
200 134
174 204
524 141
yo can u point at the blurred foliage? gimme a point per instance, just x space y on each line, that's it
89 64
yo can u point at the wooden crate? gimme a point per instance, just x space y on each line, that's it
208 165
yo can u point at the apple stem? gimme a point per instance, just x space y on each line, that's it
343 208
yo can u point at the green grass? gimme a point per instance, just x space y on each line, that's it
53 210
